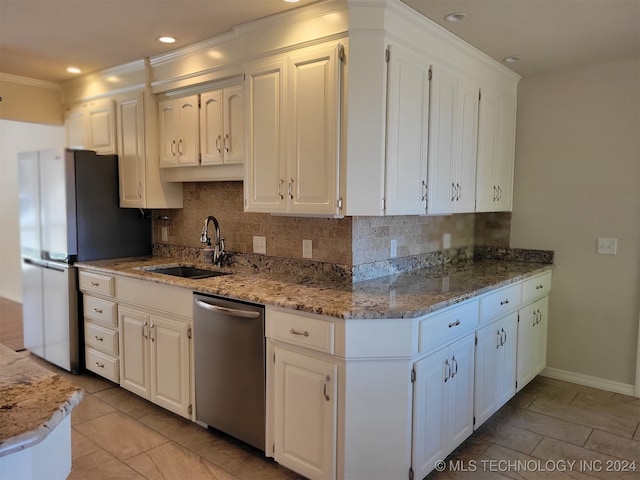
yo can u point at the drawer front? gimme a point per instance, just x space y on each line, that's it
101 311
100 338
96 283
102 364
299 330
441 328
536 287
496 304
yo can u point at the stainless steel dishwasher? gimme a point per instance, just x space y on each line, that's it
229 352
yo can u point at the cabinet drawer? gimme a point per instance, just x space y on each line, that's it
102 364
299 330
536 287
101 338
495 304
96 283
101 311
441 328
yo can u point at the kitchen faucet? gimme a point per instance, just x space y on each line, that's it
218 252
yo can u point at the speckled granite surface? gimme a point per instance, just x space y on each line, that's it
33 401
404 295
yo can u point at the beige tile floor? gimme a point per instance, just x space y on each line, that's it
548 425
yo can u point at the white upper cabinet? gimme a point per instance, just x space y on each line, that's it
222 126
407 132
496 145
92 126
452 143
179 131
293 119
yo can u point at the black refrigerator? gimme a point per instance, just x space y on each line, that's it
69 212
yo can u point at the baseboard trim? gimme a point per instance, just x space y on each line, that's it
589 381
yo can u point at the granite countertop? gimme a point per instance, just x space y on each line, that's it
399 296
33 401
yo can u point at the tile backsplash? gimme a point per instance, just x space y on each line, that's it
361 244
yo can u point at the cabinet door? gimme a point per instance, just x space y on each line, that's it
465 145
532 341
170 348
460 392
441 190
233 122
211 130
407 132
134 351
496 142
131 154
101 126
265 167
313 108
305 417
168 132
75 126
188 130
506 376
429 412
485 394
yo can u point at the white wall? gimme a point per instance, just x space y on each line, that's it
577 179
17 137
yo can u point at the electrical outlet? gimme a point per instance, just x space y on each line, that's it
164 231
307 249
259 244
446 241
607 246
394 248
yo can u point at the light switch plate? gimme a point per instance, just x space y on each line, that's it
259 244
607 246
164 231
394 248
446 241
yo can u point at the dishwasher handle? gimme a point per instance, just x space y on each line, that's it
227 311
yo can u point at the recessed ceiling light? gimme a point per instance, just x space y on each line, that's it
292 1
74 70
512 59
165 39
456 17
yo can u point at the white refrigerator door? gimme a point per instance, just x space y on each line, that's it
32 295
57 204
58 291
29 200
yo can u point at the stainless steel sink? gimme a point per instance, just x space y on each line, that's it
187 272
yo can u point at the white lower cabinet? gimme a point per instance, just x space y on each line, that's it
154 361
532 341
495 375
442 403
305 413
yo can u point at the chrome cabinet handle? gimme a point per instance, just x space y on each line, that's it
504 302
453 191
295 332
280 189
97 310
447 370
99 365
504 335
151 331
100 339
454 362
95 284
139 190
454 324
327 379
539 317
499 341
173 151
227 311
145 335
289 189
424 191
538 287
458 192
180 149
226 137
495 193
499 193
218 144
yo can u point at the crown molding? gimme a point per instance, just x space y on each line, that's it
31 82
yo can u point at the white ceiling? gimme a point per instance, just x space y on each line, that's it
40 38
